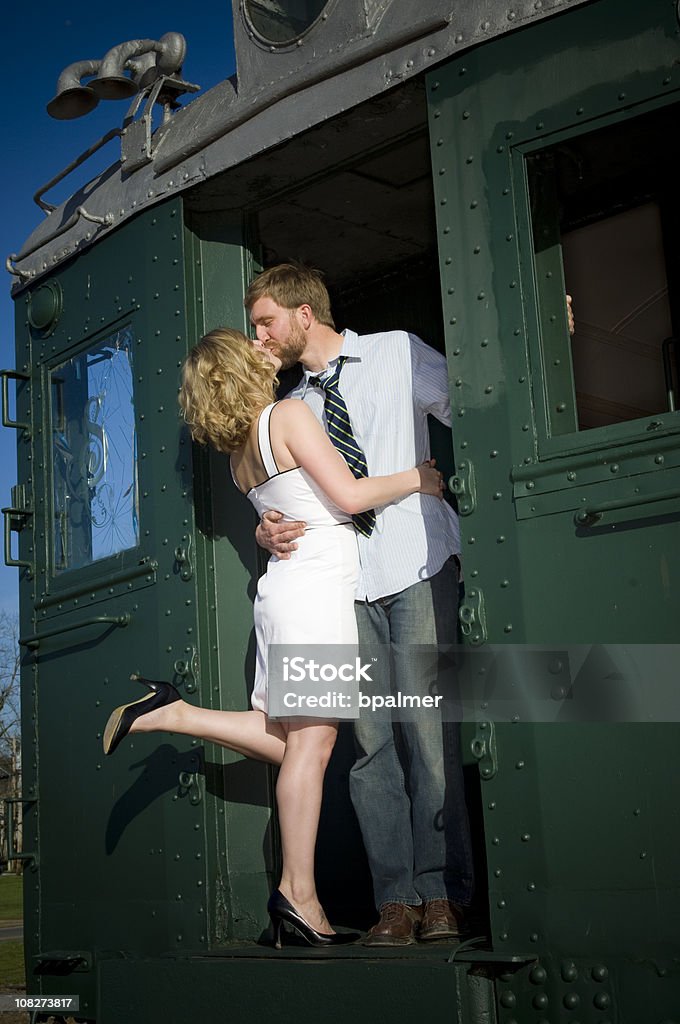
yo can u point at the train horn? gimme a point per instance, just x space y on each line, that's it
73 99
113 84
145 59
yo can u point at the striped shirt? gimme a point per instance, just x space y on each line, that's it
390 383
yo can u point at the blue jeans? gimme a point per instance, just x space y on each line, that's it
407 782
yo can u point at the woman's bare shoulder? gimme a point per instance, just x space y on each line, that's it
293 410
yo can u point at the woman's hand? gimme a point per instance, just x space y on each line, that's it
431 480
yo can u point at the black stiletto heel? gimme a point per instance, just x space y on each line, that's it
281 910
120 720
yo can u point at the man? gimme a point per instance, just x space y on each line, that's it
407 782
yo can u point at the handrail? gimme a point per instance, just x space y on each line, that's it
593 513
9 802
35 639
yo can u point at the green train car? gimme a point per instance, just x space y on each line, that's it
454 169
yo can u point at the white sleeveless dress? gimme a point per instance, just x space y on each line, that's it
308 598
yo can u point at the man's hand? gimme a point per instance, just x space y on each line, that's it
278 537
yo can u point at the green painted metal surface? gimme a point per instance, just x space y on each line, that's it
580 835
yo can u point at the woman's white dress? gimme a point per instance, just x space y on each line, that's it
308 598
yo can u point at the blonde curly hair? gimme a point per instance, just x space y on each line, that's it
226 383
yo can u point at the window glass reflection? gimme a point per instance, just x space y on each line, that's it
283 21
94 454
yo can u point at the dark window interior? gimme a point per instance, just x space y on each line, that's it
609 199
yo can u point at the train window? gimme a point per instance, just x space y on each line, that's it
95 512
604 208
282 21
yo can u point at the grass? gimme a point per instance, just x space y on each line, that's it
12 964
11 906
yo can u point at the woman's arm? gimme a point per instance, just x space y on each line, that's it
296 426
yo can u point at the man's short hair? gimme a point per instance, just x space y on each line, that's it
291 285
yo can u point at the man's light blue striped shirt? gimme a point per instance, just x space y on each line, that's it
391 382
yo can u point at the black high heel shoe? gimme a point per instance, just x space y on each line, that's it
281 910
120 720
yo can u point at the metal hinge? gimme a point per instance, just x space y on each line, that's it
472 617
483 747
463 486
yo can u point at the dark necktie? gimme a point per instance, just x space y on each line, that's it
342 436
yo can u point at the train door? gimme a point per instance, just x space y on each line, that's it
554 154
131 849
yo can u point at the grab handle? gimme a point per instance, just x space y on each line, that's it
593 513
8 375
35 639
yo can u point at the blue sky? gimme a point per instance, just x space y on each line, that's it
40 41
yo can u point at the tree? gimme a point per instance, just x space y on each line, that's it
10 715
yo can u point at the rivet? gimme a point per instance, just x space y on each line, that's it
507 628
519 766
622 95
505 584
540 1001
539 126
497 495
493 454
561 406
474 204
599 972
492 805
501 904
659 460
496 841
508 999
533 937
531 887
501 539
538 975
579 110
508 238
469 159
503 936
571 475
525 837
498 872
569 972
601 1001
614 468
488 389
484 343
643 854
477 250
571 1000
500 149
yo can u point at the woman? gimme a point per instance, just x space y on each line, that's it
282 459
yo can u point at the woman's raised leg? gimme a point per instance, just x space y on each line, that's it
249 733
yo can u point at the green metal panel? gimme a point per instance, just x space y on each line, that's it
122 848
219 268
579 834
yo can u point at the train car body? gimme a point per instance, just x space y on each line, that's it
453 170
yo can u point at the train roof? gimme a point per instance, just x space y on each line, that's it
290 78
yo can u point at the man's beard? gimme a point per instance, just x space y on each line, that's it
290 350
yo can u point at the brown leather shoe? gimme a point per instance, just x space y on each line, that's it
397 926
442 919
